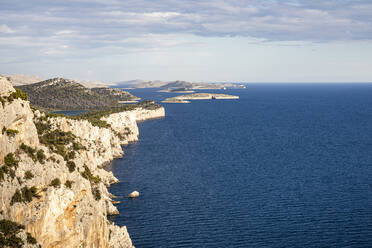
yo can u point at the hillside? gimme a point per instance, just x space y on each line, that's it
115 94
22 79
64 94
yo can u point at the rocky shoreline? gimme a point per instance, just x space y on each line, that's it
52 178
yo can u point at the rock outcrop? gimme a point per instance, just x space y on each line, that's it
52 179
134 194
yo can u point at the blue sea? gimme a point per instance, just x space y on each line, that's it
286 165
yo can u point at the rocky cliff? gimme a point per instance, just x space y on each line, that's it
51 174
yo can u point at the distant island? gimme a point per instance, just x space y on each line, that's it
177 90
198 96
177 85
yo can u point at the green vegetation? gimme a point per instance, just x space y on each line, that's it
25 195
10 160
70 155
11 132
71 166
17 197
4 130
69 183
12 173
3 170
52 158
87 174
78 146
41 156
8 234
55 140
94 117
30 239
65 94
55 183
10 163
28 175
18 94
2 100
96 194
29 151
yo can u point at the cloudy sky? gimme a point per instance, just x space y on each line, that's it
195 40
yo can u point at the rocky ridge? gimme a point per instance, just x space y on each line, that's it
51 174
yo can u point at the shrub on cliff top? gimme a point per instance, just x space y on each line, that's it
94 117
18 94
11 132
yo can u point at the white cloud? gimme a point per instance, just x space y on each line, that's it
5 29
64 32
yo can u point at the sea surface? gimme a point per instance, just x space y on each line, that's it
287 165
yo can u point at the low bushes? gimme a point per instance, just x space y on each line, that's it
25 195
68 184
71 166
8 234
55 183
10 160
11 132
28 175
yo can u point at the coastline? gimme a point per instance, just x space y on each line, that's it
70 200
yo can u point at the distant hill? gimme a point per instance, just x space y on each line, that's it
179 84
175 85
64 94
21 79
139 84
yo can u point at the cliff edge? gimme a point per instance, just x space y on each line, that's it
51 176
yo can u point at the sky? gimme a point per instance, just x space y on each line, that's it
192 40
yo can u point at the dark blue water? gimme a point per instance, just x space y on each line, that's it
284 166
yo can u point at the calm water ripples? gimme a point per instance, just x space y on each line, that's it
284 166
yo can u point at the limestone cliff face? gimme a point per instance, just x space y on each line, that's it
125 123
14 115
62 205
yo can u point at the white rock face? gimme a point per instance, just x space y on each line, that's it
67 215
125 123
15 115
